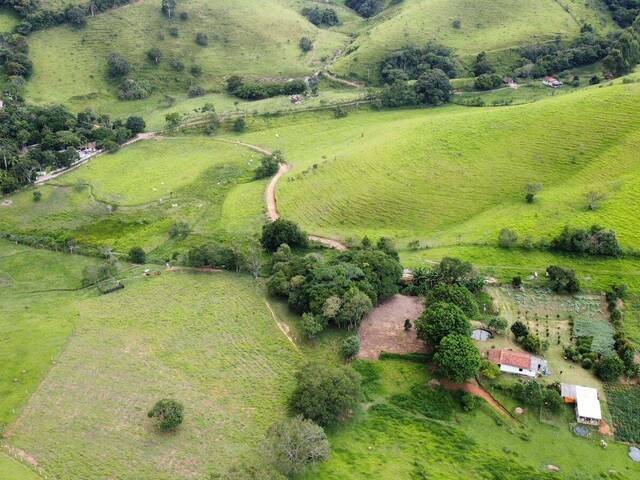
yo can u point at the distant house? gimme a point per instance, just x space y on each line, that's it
518 363
551 82
511 83
586 401
295 99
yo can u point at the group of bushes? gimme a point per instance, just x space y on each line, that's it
367 8
534 394
52 135
623 347
240 88
624 11
321 17
527 340
269 165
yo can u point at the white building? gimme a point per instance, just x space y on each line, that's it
587 403
518 363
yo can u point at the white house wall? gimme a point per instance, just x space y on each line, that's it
517 371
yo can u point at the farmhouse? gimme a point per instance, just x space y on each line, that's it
586 401
551 82
518 363
511 83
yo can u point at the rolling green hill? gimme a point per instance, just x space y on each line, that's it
490 25
454 174
256 38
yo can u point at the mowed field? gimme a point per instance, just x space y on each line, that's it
490 25
71 64
206 340
134 196
457 175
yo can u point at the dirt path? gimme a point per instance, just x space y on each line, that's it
343 81
270 197
474 389
284 328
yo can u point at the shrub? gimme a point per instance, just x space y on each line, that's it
366 8
196 70
184 16
131 89
117 66
213 255
306 45
488 81
177 65
532 190
179 230
458 358
202 39
136 125
468 401
278 286
531 343
282 231
457 24
292 445
355 306
195 91
325 393
268 165
519 329
169 412
489 370
350 346
610 368
439 320
516 282
154 55
137 255
37 195
562 280
595 241
507 238
321 16
497 324
312 325
240 125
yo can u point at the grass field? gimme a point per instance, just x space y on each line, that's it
205 182
489 25
207 340
34 327
77 76
424 441
457 174
13 470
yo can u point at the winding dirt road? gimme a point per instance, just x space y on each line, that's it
272 203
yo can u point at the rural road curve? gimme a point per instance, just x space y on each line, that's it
272 203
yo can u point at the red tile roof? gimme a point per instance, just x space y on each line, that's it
508 357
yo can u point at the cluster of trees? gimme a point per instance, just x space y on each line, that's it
593 241
320 17
445 325
218 255
411 62
624 11
340 290
623 347
415 76
485 73
35 15
34 138
366 8
240 88
624 54
534 394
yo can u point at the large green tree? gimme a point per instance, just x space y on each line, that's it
458 358
439 320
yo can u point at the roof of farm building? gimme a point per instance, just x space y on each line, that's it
509 357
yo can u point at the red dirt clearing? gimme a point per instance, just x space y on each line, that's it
383 329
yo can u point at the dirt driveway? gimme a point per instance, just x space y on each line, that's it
383 329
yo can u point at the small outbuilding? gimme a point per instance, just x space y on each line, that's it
551 82
586 400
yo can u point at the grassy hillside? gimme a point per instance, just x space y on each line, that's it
34 327
457 175
490 25
70 64
133 197
206 340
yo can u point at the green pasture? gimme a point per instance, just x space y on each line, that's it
486 25
422 440
134 196
13 470
207 340
456 175
71 64
35 321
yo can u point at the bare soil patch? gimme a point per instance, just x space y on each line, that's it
383 329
